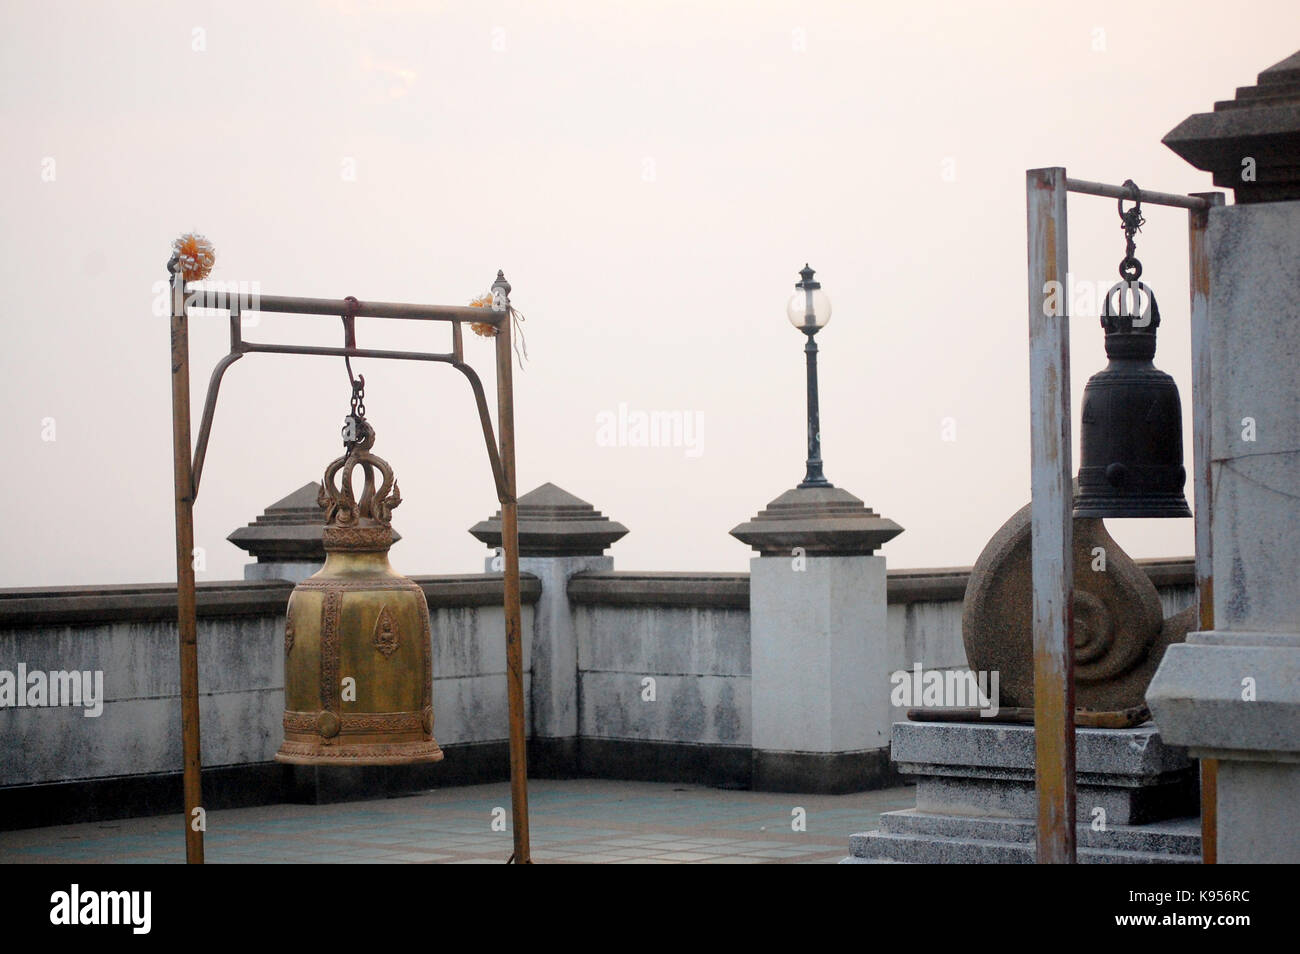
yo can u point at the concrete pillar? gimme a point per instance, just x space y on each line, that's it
818 641
287 540
1233 693
559 535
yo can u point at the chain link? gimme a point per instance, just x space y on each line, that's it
1131 221
359 398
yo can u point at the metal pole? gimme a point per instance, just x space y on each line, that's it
1084 187
186 621
333 307
813 476
1052 505
1198 221
510 553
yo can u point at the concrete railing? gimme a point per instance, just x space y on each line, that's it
662 675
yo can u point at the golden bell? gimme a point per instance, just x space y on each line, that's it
358 672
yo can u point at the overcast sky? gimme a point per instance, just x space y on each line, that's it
650 176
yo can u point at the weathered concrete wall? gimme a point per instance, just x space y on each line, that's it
241 667
924 618
689 633
241 674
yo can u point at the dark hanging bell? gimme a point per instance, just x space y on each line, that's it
1131 442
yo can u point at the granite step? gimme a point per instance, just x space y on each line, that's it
880 846
1173 837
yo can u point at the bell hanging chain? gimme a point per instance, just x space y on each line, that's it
354 424
1131 221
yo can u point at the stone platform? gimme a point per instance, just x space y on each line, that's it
1137 797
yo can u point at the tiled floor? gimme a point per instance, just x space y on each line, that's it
576 821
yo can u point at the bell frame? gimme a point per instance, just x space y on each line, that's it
1052 489
188 472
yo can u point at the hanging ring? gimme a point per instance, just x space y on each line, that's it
1135 212
1130 269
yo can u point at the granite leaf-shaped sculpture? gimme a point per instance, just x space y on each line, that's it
1120 633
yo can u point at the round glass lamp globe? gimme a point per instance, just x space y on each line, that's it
802 303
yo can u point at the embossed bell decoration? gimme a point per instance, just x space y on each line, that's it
358 673
1131 442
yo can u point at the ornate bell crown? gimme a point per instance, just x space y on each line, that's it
359 523
1130 317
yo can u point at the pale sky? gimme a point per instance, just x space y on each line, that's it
650 176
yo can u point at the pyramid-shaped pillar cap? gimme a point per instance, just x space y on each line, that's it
822 521
1251 143
554 523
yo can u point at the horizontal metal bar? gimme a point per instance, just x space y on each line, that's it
336 307
1150 198
251 347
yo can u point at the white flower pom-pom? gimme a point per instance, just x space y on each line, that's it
196 256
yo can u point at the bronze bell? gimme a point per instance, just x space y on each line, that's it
1131 443
358 672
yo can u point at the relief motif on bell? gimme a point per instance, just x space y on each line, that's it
386 632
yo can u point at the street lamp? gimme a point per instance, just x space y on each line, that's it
809 310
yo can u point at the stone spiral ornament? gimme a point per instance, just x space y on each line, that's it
1120 631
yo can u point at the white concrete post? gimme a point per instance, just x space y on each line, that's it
819 646
1232 692
559 536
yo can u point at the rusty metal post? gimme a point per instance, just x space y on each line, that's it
186 621
510 554
1052 504
1198 221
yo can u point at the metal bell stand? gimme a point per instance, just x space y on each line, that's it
1052 493
187 476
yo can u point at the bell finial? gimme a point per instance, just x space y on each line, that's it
365 522
1130 317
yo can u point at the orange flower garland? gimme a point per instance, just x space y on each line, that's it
481 327
196 256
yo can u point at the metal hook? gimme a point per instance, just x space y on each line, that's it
350 339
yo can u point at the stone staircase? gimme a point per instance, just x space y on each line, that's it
1136 798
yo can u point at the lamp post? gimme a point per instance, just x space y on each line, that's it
809 310
815 719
